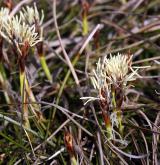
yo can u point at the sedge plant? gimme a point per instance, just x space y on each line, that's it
110 79
32 17
4 15
22 37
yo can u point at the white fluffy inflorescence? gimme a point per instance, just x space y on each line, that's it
20 33
117 68
114 70
31 15
4 15
21 29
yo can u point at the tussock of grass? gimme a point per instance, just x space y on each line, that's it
45 83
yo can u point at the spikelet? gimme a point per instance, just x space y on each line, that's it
4 15
31 15
19 33
115 70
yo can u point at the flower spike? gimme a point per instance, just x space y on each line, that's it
19 33
31 15
4 15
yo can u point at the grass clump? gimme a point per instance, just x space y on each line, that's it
55 106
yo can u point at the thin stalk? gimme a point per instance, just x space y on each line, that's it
118 112
64 83
119 117
108 125
76 58
8 119
85 23
59 96
3 80
24 98
31 96
45 68
35 107
73 161
2 70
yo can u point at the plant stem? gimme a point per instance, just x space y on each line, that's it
4 82
64 83
45 68
119 117
31 96
118 112
107 124
73 161
85 24
24 98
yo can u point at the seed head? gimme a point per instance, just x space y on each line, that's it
19 33
99 80
116 68
31 15
4 14
111 71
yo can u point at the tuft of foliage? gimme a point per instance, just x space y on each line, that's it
49 51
